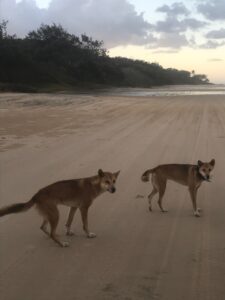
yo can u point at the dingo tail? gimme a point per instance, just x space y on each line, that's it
145 175
16 208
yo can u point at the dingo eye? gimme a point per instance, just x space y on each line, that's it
107 182
114 180
203 170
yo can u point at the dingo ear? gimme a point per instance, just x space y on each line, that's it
101 173
200 163
212 162
117 173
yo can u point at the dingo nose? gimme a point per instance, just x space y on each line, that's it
113 189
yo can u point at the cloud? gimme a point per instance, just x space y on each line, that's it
173 28
216 34
170 40
116 22
176 9
215 59
169 51
176 20
212 9
171 24
211 45
22 16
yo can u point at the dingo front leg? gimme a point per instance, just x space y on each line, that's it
84 215
193 194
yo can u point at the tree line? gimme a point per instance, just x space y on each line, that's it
50 57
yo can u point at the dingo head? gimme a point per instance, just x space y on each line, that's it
205 168
108 180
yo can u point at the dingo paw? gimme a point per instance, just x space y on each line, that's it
91 235
196 213
65 244
69 233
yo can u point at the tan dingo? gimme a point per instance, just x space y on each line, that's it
189 175
75 193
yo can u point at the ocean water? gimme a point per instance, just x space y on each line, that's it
174 90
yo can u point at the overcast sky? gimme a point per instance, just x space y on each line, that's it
182 34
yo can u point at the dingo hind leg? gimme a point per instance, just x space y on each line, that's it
53 220
44 226
150 196
51 215
154 191
162 188
70 220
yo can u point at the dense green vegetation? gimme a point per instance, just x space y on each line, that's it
50 57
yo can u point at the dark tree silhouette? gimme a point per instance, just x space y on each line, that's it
51 57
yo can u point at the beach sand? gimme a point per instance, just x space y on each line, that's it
137 254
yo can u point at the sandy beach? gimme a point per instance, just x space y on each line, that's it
137 254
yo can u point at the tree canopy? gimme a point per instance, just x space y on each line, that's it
50 56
